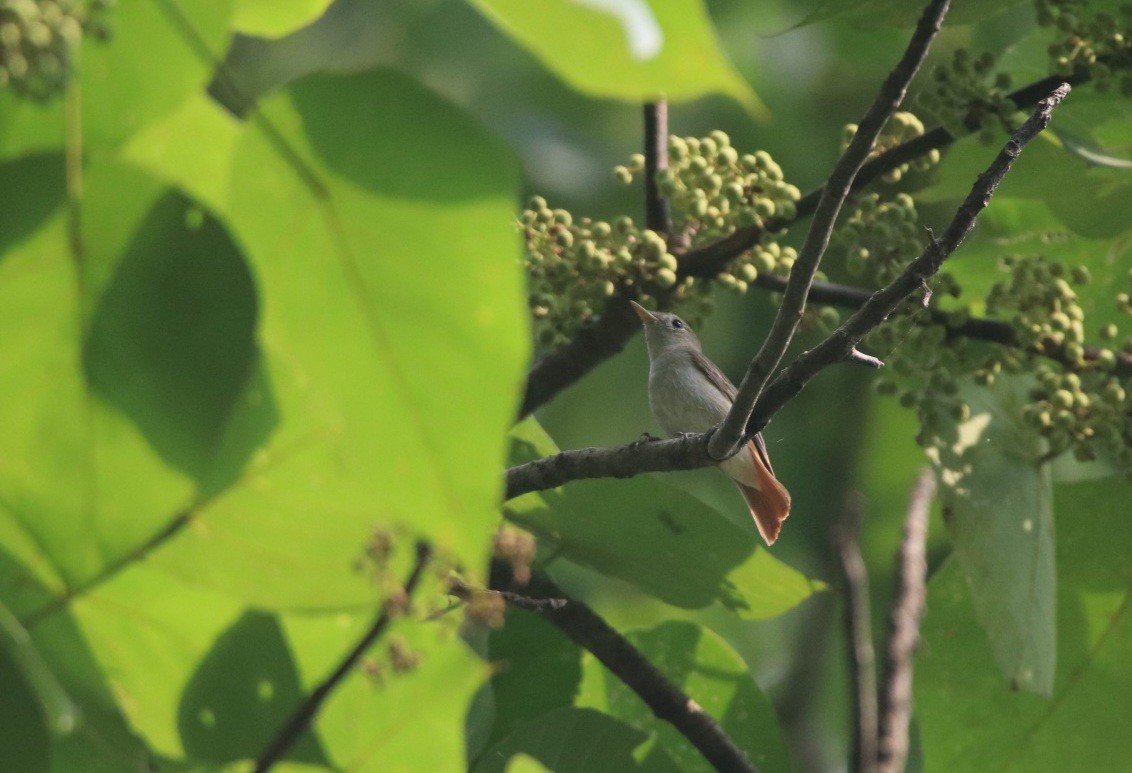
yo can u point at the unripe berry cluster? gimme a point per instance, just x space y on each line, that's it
1098 42
880 237
1078 403
968 94
575 266
713 189
37 38
901 128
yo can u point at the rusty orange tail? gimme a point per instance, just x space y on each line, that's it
770 503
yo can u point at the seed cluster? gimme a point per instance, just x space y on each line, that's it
1078 403
968 94
38 39
901 128
1098 42
879 237
575 266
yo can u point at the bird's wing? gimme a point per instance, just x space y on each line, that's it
719 380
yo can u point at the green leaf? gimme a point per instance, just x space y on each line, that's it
711 674
971 721
657 537
25 741
275 18
631 51
374 427
243 691
570 740
535 669
121 89
392 720
998 507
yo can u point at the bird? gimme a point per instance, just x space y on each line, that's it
689 393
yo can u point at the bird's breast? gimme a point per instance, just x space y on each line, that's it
681 398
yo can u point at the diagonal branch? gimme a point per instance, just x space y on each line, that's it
667 701
883 302
690 451
726 440
907 609
657 214
301 717
859 637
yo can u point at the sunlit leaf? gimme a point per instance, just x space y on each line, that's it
275 18
626 49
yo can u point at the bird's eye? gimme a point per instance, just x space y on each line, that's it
677 324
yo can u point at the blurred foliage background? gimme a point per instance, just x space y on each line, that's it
263 322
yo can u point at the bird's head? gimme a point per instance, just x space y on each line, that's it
664 331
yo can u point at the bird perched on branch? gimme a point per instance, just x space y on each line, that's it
689 393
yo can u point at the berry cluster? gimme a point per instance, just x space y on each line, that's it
1098 42
880 237
1078 403
969 95
574 266
37 40
901 128
713 189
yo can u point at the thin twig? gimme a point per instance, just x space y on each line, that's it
301 717
884 301
657 214
467 593
858 637
690 451
667 701
907 609
727 439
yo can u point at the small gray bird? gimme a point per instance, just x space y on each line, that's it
688 393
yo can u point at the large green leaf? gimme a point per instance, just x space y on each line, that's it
275 18
711 674
635 51
657 537
122 89
971 721
998 506
375 426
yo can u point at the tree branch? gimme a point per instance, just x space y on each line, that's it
726 440
690 451
858 637
668 702
301 717
883 302
978 328
657 215
907 609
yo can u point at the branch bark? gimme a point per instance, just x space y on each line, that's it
301 717
859 638
726 440
667 701
690 451
837 346
908 608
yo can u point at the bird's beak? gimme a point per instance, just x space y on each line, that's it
646 316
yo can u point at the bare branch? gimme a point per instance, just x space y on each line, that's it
884 301
301 717
907 609
858 637
667 701
465 592
683 453
657 215
727 438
